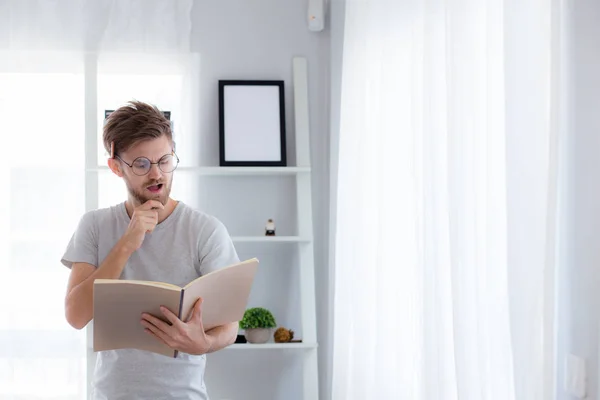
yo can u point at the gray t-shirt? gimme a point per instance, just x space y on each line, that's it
186 245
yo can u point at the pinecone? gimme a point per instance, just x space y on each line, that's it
283 335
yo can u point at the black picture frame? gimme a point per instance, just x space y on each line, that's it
251 115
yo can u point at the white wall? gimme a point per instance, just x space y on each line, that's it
578 278
241 39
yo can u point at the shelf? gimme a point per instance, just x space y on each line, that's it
265 346
269 239
49 237
231 171
271 346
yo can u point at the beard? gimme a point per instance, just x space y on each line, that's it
142 195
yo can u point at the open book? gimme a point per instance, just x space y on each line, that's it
119 304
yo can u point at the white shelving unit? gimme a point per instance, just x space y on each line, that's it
305 230
233 171
303 238
277 346
307 349
277 239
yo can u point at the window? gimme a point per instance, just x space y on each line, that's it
166 82
46 191
42 121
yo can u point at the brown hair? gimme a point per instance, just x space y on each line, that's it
134 122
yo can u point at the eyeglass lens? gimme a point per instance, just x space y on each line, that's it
141 165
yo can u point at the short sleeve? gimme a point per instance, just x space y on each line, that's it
218 250
83 246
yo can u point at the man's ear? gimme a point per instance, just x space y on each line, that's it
115 167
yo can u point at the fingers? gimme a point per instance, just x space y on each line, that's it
197 312
148 222
158 334
148 219
146 215
147 226
171 317
150 204
148 320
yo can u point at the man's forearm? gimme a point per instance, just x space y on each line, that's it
222 336
81 298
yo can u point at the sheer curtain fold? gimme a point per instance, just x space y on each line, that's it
442 188
130 25
48 51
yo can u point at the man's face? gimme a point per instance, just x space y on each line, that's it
156 184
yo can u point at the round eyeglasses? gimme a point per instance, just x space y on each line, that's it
141 165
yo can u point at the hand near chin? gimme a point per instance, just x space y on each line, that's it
143 220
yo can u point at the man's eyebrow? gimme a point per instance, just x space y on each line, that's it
151 159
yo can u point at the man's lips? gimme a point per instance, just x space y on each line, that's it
155 188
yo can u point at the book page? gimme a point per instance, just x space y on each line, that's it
137 282
118 308
225 294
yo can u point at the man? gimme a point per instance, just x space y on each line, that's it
149 236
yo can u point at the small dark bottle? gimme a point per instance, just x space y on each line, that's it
270 228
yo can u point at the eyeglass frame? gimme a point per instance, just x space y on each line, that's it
151 163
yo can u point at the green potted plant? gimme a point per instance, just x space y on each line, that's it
257 324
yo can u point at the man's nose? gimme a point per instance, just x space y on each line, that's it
155 172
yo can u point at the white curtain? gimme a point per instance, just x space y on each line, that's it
445 201
62 63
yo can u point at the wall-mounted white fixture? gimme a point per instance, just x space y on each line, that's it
575 376
316 15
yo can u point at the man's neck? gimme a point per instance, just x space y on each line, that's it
162 214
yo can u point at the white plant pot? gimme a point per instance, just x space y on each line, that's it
257 335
